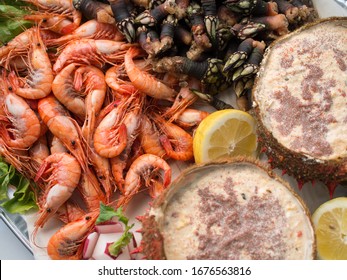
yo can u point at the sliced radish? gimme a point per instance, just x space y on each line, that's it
90 244
102 245
109 228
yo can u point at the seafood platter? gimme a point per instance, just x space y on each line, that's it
174 129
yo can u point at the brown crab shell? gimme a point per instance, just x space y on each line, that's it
152 244
303 168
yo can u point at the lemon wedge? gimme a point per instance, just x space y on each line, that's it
225 133
330 222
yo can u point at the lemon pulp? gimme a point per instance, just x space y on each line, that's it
330 221
225 133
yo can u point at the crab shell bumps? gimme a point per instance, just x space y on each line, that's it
299 101
235 209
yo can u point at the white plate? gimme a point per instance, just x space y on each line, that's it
312 195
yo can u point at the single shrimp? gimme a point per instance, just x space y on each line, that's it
144 172
64 174
91 52
20 127
110 137
91 29
64 90
91 81
177 143
59 7
149 137
145 82
38 83
190 118
59 24
67 242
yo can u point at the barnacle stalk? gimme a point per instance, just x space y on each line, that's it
252 66
124 21
210 19
239 57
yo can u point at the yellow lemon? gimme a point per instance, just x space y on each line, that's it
225 133
330 222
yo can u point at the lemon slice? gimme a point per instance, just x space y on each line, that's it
225 133
330 222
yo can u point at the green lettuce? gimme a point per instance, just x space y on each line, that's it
11 19
23 198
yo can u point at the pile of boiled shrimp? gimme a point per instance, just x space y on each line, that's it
82 114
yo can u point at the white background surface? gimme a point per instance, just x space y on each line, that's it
12 249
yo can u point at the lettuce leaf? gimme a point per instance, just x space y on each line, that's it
11 19
23 198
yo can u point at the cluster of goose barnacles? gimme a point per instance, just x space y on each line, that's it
219 42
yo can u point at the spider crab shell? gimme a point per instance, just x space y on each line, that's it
299 102
210 212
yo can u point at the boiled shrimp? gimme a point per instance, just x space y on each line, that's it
149 137
91 29
38 83
91 81
59 7
91 52
177 143
20 127
145 82
190 118
144 172
67 242
64 174
59 24
110 137
64 90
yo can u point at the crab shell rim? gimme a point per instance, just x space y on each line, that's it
298 165
153 241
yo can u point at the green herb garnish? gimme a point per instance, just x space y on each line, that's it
106 214
23 198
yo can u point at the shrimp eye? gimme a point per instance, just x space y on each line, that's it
10 88
88 218
49 210
73 142
44 20
38 44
